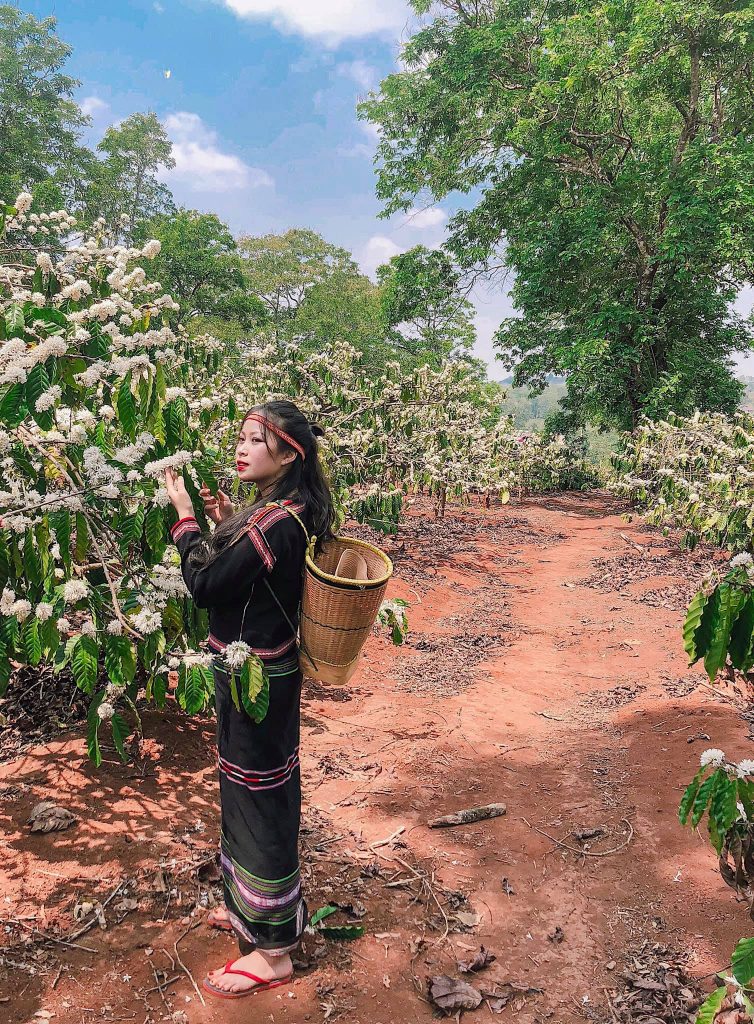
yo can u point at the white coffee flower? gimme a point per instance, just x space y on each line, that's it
151 249
114 627
7 601
44 611
75 590
105 711
48 398
744 558
23 202
88 628
237 654
712 756
21 609
745 767
63 625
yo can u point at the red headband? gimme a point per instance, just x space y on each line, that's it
280 433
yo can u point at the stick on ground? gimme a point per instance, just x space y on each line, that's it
468 816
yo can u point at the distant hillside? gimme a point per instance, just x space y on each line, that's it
747 401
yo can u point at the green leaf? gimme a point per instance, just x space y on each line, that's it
126 406
343 931
702 797
742 961
92 732
194 693
120 660
729 605
36 383
741 635
746 796
61 523
81 545
12 406
173 421
320 914
255 689
120 735
172 617
131 529
160 689
688 797
206 476
154 530
6 670
711 1005
691 625
708 621
84 663
722 807
14 320
32 563
234 690
31 641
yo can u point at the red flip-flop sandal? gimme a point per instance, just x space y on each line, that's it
215 922
261 984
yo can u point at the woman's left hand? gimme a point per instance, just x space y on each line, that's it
179 496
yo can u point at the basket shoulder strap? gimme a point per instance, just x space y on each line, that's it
311 539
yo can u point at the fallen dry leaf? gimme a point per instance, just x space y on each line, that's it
47 816
450 994
469 919
556 935
483 959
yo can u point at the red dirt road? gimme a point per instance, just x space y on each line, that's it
570 703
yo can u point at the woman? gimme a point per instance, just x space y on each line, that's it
260 786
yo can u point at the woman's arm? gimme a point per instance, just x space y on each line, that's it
229 575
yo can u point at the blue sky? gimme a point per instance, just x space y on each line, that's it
259 97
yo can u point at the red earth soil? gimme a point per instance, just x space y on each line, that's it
571 703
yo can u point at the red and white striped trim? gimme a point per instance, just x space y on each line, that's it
262 652
252 779
261 521
186 525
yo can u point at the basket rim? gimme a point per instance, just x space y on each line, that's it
371 584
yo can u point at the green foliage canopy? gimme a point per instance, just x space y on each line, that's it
610 147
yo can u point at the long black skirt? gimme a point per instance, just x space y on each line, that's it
260 802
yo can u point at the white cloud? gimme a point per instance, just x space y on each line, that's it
93 106
360 72
330 20
378 250
199 162
365 149
428 218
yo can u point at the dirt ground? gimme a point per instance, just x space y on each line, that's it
544 669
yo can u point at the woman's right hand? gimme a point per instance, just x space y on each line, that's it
218 507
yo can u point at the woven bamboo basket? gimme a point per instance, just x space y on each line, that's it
343 590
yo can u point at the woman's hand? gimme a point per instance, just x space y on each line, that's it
179 496
217 508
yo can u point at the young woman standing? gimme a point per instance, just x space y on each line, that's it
260 786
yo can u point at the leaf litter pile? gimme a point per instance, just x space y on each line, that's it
36 707
654 988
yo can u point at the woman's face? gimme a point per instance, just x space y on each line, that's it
255 462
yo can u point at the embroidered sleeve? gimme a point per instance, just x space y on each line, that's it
227 577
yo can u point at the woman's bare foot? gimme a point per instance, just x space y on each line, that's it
269 968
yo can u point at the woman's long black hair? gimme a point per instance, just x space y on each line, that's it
304 481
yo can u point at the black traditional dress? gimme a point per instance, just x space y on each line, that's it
260 782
